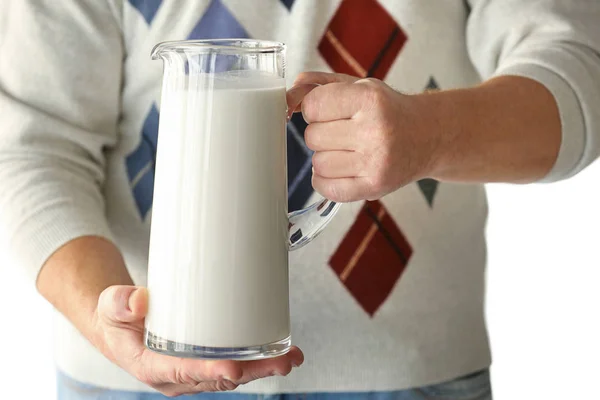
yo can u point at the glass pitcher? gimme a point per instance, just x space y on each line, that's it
220 232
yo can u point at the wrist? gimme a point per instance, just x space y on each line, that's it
506 129
436 119
73 278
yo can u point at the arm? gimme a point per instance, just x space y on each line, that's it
60 77
75 276
557 45
505 130
534 119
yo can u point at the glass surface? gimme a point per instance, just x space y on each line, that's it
220 236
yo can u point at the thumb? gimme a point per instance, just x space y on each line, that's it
307 81
323 78
123 303
295 96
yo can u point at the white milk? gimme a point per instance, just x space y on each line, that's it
218 268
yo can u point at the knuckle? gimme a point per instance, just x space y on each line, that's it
302 76
368 81
376 99
318 163
310 107
345 78
378 95
311 137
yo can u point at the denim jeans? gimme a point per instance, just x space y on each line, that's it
472 387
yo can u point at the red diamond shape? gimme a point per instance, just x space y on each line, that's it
362 39
372 257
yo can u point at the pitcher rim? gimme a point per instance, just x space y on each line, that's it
228 45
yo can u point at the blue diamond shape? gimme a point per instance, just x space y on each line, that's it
217 23
299 164
148 8
143 192
140 163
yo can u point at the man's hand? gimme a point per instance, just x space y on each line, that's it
365 135
370 140
119 324
87 281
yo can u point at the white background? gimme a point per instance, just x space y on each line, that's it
543 297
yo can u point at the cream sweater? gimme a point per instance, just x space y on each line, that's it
79 104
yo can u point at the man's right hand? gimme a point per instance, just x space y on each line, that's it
119 330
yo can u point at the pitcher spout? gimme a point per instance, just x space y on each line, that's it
159 51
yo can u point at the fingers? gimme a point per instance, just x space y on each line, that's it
296 356
332 102
307 81
337 164
335 135
279 366
159 369
323 78
175 390
123 304
341 190
337 97
175 376
295 95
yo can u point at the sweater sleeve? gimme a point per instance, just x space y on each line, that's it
556 43
60 79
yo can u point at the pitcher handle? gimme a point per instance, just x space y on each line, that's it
305 225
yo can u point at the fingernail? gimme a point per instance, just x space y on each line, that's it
130 300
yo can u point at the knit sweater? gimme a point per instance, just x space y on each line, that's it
79 109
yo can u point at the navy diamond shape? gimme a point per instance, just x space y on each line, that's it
432 84
148 8
288 3
299 164
217 23
429 186
140 163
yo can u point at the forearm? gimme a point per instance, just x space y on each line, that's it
75 275
505 130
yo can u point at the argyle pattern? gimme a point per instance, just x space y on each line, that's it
216 22
372 256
